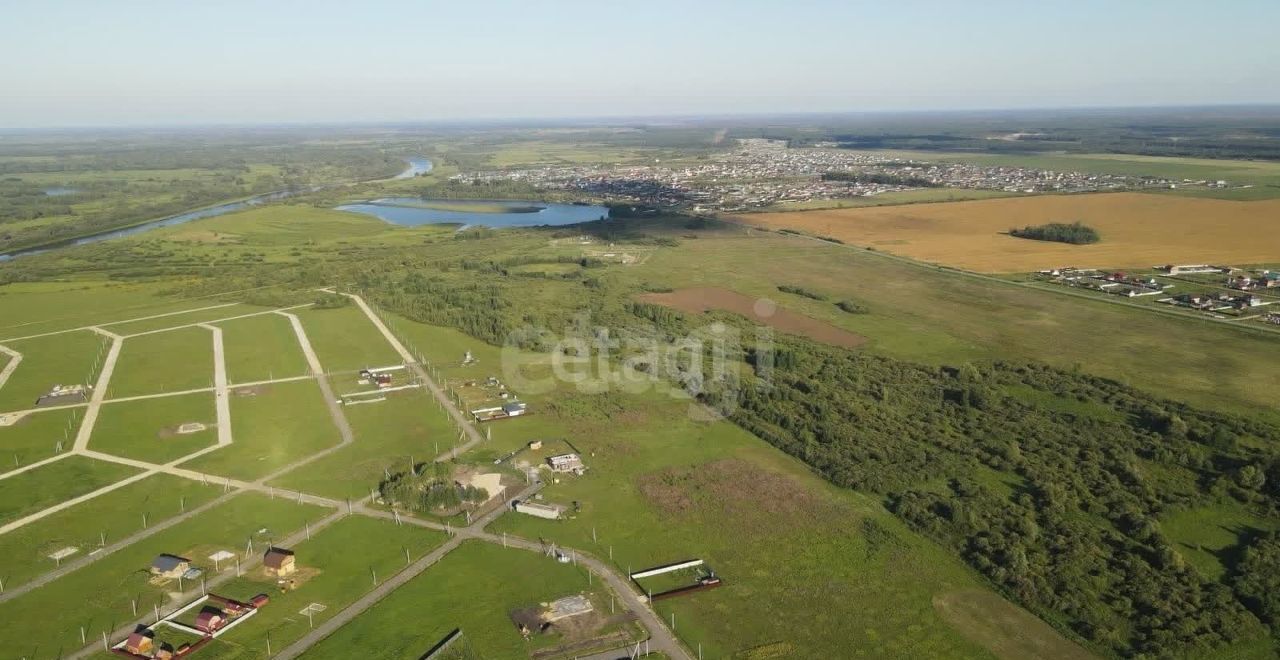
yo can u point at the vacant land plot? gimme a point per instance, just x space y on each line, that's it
1009 632
63 359
153 429
37 625
104 519
47 485
28 308
273 425
261 348
35 436
759 310
345 339
338 564
407 426
164 362
199 316
473 588
1137 230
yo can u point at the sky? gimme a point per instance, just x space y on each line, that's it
137 63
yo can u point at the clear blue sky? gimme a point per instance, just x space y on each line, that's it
113 62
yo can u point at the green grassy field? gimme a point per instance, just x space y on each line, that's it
108 518
388 433
64 359
930 315
283 423
344 339
261 348
38 624
472 588
35 437
164 362
134 327
147 429
28 308
1209 537
343 561
47 485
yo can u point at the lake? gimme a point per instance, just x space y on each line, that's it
417 165
412 211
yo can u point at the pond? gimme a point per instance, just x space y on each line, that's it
413 211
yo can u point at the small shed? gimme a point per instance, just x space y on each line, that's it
170 566
565 463
279 562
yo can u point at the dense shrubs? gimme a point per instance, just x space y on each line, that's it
1050 496
1075 233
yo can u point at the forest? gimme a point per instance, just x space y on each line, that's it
1050 483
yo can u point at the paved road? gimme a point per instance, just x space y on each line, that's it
222 399
12 366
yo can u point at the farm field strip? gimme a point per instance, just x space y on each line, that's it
1137 229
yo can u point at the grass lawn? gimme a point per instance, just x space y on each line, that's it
35 436
345 339
42 487
261 348
278 425
1210 537
472 588
408 424
28 308
338 564
109 517
164 362
45 623
64 359
176 320
147 429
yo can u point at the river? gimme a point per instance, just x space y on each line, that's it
417 165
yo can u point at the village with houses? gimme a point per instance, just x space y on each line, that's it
1223 292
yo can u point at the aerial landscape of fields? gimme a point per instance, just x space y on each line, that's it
1136 229
461 332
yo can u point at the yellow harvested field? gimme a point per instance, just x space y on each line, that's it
1137 230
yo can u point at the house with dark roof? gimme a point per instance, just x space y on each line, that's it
170 566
